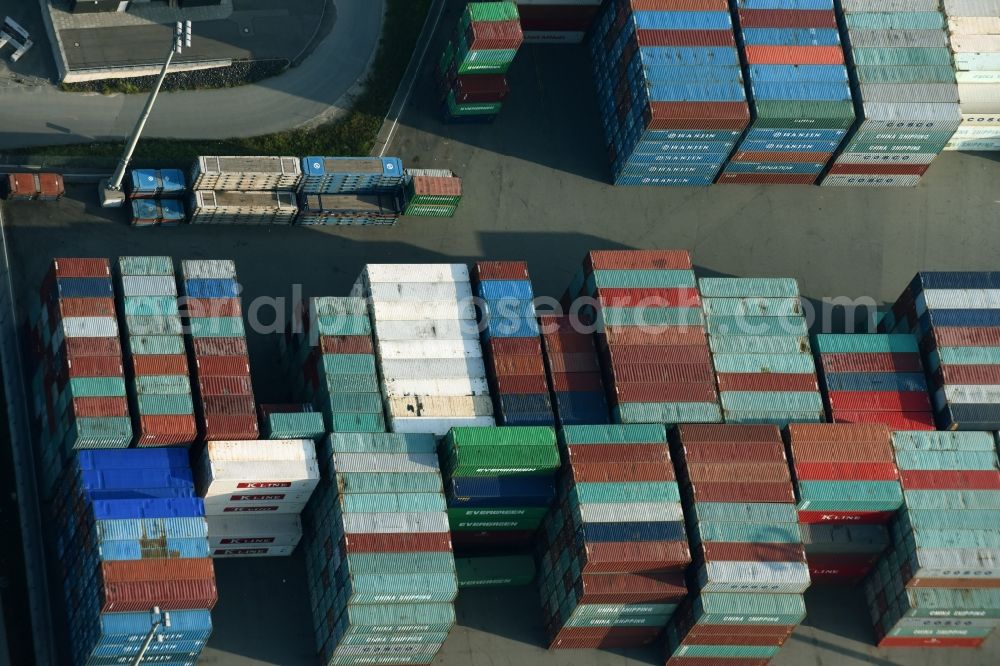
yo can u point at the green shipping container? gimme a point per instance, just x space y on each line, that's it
764 363
96 387
414 209
388 563
733 512
636 279
502 571
395 482
776 417
395 503
489 11
349 364
616 493
357 423
177 405
335 306
104 432
216 327
613 434
145 266
360 403
783 307
651 316
458 438
502 461
382 443
162 385
898 74
344 325
165 345
894 20
860 344
776 114
762 344
748 287
943 441
350 383
472 108
138 306
301 425
749 532
754 326
668 412
154 325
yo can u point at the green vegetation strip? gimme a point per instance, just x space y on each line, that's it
353 134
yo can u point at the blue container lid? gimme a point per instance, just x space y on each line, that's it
172 209
392 166
145 180
151 458
313 165
173 180
146 209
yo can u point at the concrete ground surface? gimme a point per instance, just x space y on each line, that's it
535 189
37 113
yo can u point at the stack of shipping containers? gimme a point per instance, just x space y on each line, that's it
956 318
800 98
749 569
874 379
974 37
130 537
508 331
845 474
79 384
432 370
350 190
246 174
936 585
378 556
905 96
224 207
332 363
666 377
472 68
154 346
243 481
574 371
431 193
760 349
499 484
225 403
613 550
156 196
670 90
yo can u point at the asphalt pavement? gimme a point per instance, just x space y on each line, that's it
43 115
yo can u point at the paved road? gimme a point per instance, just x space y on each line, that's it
44 116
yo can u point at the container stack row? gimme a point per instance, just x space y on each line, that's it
760 350
651 335
379 564
247 482
670 90
845 474
427 344
225 401
332 361
156 196
574 371
749 569
613 550
431 193
936 585
800 97
350 190
161 397
130 536
905 95
874 379
508 331
956 318
79 383
974 38
471 70
499 483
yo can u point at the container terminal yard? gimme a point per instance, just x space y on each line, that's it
753 291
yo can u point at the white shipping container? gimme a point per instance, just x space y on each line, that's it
440 406
977 61
974 145
263 496
373 273
428 329
438 426
261 450
776 577
390 650
241 477
887 158
939 93
965 558
420 291
977 77
149 285
627 512
252 551
89 327
889 6
386 462
957 299
421 310
208 268
899 38
946 622
972 393
214 509
870 181
424 369
971 43
962 24
395 523
250 530
453 386
429 349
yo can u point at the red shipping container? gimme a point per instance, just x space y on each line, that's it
563 382
771 381
968 374
729 452
610 260
846 517
617 453
718 551
685 38
86 307
624 393
167 430
640 371
929 642
415 542
660 355
955 583
746 472
94 366
636 557
704 115
223 386
220 347
842 451
636 633
573 363
895 420
50 186
600 643
624 588
75 347
802 158
788 18
846 471
494 35
695 433
222 366
518 365
522 385
480 88
955 336
736 630
346 344
872 401
210 307
824 433
621 472
766 179
871 362
914 479
656 298
100 407
743 492
694 637
516 346
81 268
156 364
499 270
653 335
231 405
880 169
164 569
220 426
795 55
140 596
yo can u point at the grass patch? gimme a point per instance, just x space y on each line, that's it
354 134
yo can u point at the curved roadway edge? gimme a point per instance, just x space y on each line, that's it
29 509
316 88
